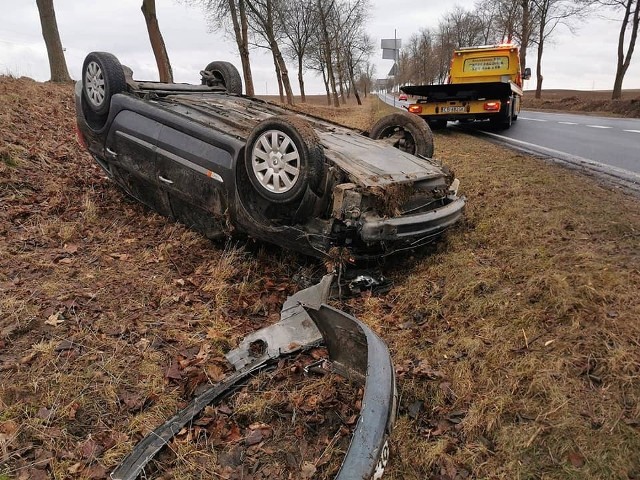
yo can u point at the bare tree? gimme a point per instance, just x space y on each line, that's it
525 31
630 21
297 19
549 14
57 62
219 14
366 77
324 12
351 44
157 42
264 14
465 28
238 13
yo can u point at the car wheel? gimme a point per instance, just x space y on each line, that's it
408 133
226 74
102 78
283 157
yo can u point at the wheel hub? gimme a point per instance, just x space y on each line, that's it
94 84
276 161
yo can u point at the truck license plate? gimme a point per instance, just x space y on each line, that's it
452 110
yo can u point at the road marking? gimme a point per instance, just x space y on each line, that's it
597 126
632 131
621 173
532 119
568 123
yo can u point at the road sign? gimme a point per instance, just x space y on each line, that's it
391 43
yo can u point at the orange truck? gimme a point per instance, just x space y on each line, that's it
484 83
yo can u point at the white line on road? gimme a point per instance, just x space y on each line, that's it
568 123
621 173
533 119
597 126
632 131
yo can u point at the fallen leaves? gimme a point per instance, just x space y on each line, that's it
576 459
55 319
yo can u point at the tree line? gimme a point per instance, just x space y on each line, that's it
328 38
528 23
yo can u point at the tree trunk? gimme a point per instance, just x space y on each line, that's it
543 12
353 84
278 76
157 42
303 98
539 69
240 30
526 33
284 72
326 85
57 62
327 54
625 60
340 68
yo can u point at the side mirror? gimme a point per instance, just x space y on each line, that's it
527 74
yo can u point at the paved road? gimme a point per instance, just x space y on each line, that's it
610 145
391 100
611 141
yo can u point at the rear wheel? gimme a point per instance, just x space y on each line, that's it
102 78
283 158
225 74
405 131
504 119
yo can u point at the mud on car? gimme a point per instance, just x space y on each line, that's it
228 164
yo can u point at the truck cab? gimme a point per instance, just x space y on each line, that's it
484 82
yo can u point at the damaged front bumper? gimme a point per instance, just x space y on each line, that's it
355 352
414 227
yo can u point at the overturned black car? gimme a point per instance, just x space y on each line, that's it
228 164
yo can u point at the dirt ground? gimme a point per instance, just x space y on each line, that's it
516 339
583 101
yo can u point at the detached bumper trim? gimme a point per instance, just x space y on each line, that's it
355 352
375 229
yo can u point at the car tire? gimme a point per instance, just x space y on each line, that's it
102 78
226 74
413 134
284 157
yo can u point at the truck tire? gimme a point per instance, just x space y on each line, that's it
405 131
226 74
102 78
504 119
284 157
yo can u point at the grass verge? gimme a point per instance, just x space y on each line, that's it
515 339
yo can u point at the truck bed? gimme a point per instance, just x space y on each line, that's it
462 91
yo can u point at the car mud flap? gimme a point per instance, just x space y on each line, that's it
355 352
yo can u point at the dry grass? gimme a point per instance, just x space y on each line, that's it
516 339
594 102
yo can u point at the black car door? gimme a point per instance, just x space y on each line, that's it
191 172
131 152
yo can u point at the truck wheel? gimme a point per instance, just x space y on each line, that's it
504 119
102 78
405 131
283 157
224 73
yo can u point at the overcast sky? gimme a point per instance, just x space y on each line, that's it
584 61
